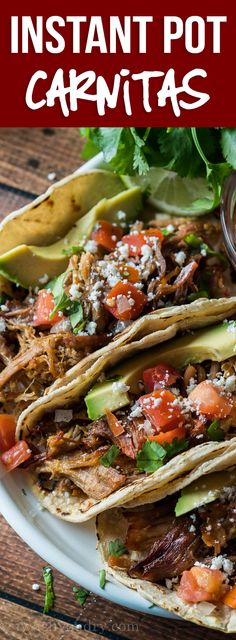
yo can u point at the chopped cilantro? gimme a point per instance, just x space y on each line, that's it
198 294
61 301
166 232
195 242
80 594
49 593
79 327
215 432
150 457
102 578
175 447
72 250
76 314
116 548
110 456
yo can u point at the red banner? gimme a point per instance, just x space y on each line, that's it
90 65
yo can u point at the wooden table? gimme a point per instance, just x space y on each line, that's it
27 157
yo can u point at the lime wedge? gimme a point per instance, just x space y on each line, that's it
171 194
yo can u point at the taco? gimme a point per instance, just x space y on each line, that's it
148 421
179 552
80 269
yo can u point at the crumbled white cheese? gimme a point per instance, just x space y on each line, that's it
123 250
91 328
63 415
147 253
192 528
169 584
35 586
220 562
119 386
4 307
203 252
147 427
121 215
2 325
91 246
170 228
44 279
52 175
136 411
180 257
191 385
230 383
74 292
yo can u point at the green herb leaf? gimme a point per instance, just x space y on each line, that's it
110 456
199 294
151 606
102 578
166 232
49 593
61 301
79 327
150 457
73 250
175 447
76 314
3 298
116 548
228 145
215 432
195 242
80 594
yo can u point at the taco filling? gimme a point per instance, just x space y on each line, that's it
118 274
130 426
186 543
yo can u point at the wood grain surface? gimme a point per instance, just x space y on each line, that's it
27 156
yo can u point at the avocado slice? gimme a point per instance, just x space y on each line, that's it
25 264
214 343
52 215
104 396
204 490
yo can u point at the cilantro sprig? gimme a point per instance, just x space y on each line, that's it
49 593
150 457
72 309
110 456
215 432
193 241
102 578
190 152
80 594
116 548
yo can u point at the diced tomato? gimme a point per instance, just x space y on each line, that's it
210 401
163 375
230 598
114 424
125 301
16 455
43 308
107 234
136 241
201 584
7 431
168 436
160 408
129 273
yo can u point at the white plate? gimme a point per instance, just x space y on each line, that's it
68 547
